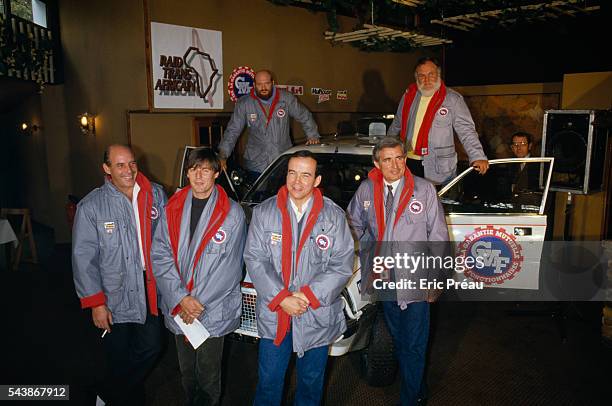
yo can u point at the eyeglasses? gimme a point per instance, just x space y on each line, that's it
430 76
518 144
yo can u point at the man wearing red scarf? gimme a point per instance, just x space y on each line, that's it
197 258
398 210
266 112
426 118
113 276
299 254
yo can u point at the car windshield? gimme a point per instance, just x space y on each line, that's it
505 188
341 175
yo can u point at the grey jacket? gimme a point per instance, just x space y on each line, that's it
324 271
440 164
106 262
217 274
414 226
265 142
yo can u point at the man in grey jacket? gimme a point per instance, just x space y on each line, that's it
111 243
401 211
425 119
265 111
299 254
197 251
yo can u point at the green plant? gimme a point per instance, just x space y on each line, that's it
20 52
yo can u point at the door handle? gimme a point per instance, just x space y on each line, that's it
522 231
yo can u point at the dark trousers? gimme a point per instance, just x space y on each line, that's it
273 362
410 331
201 370
416 167
131 350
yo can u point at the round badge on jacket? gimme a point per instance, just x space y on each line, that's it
280 113
322 241
154 213
443 111
415 207
219 236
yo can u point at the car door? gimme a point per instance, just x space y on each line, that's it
499 220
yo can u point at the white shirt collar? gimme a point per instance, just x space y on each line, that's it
394 185
299 214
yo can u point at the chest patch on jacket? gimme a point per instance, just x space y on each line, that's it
252 117
322 241
275 238
219 236
443 111
109 227
415 207
366 204
280 113
154 213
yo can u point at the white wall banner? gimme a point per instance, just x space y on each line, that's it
187 67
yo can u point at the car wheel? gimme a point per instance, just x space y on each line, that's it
378 361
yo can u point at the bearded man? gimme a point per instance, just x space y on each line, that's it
266 112
427 116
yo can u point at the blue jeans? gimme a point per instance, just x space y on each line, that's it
273 362
410 331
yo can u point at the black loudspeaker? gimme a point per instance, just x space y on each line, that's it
577 141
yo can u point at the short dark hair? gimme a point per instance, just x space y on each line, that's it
423 60
522 134
106 157
200 155
304 153
387 142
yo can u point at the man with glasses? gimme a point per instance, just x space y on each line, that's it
527 177
426 118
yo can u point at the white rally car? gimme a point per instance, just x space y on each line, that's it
499 216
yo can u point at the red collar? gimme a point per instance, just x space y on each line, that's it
272 106
287 244
376 176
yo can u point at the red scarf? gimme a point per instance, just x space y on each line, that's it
376 177
145 210
274 103
174 213
287 242
422 142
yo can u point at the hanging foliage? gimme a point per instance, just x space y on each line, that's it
22 55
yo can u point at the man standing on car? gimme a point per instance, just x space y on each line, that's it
299 254
266 113
197 251
112 272
425 119
392 206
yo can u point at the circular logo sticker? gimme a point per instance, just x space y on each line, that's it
219 236
415 207
496 254
280 113
322 241
240 82
154 213
443 111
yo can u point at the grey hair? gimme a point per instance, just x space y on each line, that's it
387 142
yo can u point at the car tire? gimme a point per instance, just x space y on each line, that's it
378 362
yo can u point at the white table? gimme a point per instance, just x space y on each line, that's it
6 233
